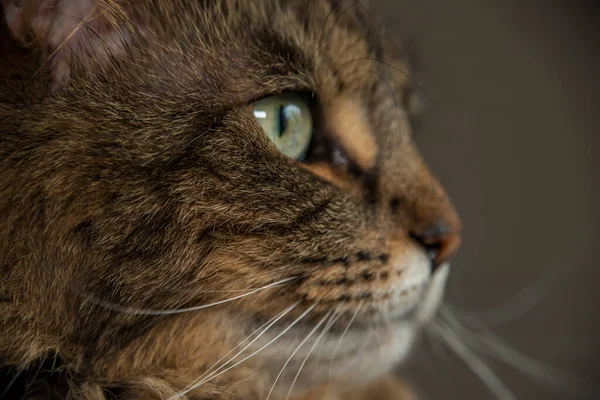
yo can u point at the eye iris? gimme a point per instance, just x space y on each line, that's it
286 119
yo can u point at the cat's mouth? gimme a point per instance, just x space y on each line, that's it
379 343
416 312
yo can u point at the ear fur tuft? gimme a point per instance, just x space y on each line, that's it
67 32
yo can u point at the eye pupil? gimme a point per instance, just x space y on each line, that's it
282 120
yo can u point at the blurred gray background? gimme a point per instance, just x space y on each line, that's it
519 82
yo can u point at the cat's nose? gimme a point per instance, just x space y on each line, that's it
440 240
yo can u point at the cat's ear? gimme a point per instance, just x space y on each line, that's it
67 32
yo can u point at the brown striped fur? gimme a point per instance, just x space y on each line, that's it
133 173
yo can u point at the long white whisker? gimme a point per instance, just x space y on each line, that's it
435 344
146 311
296 350
270 323
331 315
334 318
479 368
495 347
527 298
343 335
218 372
433 347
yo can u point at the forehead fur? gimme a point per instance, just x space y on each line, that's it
246 49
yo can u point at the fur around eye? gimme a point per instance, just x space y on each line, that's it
287 120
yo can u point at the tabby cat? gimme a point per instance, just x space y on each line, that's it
212 199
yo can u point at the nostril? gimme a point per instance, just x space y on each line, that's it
439 241
431 249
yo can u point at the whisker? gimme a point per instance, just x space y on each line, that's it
411 79
386 84
356 311
218 373
495 347
526 298
476 364
147 311
80 25
269 325
296 350
434 344
334 318
270 322
323 332
11 382
432 353
333 6
534 368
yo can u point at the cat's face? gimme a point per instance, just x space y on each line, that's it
149 185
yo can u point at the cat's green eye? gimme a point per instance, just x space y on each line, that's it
287 121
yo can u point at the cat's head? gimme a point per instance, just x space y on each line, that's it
249 160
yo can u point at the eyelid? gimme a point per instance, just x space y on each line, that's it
295 87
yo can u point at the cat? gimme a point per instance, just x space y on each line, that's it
211 199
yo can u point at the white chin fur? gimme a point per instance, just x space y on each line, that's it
363 355
434 295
